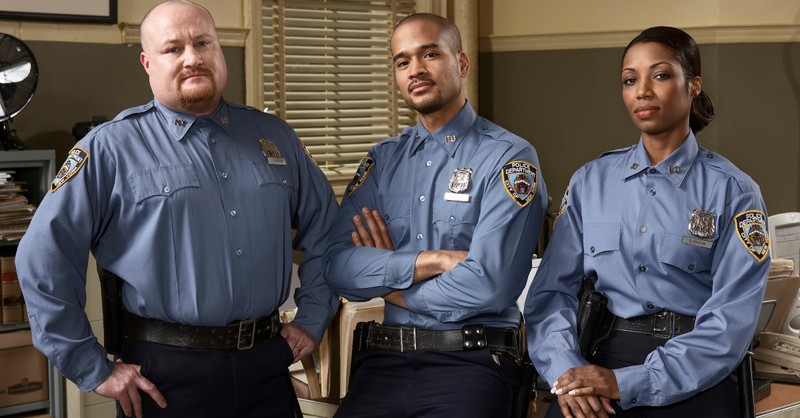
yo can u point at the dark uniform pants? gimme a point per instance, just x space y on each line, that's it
202 383
627 349
474 384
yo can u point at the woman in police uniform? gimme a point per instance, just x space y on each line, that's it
674 236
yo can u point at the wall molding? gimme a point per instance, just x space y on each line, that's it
227 36
618 39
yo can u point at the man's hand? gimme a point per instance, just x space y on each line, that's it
300 340
374 234
124 384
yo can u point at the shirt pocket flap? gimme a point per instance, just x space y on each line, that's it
600 238
162 181
688 254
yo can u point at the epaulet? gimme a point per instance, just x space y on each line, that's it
245 107
616 151
406 132
136 110
718 162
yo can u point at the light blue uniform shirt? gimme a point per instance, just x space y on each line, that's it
191 215
626 223
407 178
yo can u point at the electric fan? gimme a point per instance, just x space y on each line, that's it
18 77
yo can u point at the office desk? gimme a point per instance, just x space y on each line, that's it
782 402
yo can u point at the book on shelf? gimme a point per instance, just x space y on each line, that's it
11 292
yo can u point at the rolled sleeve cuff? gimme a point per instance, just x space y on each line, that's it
313 319
90 370
400 269
633 383
565 361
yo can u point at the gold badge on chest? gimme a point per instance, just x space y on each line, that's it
270 150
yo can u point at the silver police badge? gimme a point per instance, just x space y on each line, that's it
703 223
459 183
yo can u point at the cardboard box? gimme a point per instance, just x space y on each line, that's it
24 376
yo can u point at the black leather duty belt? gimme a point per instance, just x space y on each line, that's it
374 336
236 336
664 324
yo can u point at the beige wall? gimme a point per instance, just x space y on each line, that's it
539 17
227 14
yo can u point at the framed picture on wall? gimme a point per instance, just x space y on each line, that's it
77 11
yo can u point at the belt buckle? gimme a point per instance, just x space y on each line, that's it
662 324
474 337
413 347
247 330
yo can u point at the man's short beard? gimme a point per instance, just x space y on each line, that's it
199 97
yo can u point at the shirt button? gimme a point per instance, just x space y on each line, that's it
633 401
224 175
591 250
452 219
233 213
419 237
428 163
79 380
642 267
167 189
284 181
691 267
422 198
238 253
650 305
213 141
652 171
652 192
643 229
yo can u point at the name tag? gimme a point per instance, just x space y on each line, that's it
697 242
456 197
276 161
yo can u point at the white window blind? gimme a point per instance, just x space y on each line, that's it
328 72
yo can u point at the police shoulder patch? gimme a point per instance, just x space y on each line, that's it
75 160
362 172
564 204
751 227
520 179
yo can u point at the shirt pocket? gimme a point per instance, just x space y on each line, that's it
396 211
690 258
272 175
162 181
455 222
601 238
